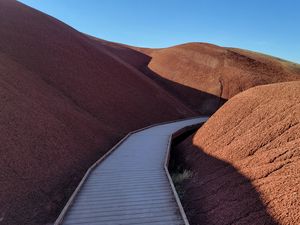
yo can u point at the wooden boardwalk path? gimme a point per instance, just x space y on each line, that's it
132 184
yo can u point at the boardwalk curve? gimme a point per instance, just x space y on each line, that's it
131 183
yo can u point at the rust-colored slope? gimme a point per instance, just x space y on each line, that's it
140 60
219 72
246 160
64 102
203 75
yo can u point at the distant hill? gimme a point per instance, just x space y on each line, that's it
204 76
216 73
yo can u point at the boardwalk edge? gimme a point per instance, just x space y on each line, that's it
63 213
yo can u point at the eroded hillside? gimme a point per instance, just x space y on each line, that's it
246 160
64 103
213 73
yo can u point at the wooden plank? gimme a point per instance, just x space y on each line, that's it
131 184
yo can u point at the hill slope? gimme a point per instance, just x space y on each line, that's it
67 98
64 103
246 160
214 74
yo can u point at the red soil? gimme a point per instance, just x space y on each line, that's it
216 72
140 60
246 160
67 98
64 103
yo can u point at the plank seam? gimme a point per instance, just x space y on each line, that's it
62 215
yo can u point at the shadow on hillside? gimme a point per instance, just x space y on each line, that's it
217 193
201 102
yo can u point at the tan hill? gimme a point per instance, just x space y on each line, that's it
214 74
246 160
64 103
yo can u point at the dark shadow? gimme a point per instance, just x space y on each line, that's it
201 102
216 193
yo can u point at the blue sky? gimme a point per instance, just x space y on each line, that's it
268 26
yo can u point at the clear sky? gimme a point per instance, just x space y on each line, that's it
268 26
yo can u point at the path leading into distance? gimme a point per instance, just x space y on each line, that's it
131 184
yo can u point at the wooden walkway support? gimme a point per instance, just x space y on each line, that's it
131 183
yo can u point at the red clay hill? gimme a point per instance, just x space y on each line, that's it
202 75
246 160
214 74
66 98
64 103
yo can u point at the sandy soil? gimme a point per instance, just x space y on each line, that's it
246 160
